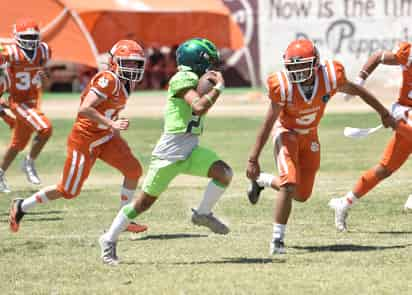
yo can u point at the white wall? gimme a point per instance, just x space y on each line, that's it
347 30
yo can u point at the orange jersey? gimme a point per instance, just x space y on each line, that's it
403 55
298 112
23 79
108 86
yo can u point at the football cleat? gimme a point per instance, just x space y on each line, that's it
4 188
341 213
277 246
253 192
15 215
134 227
209 221
108 251
28 167
408 204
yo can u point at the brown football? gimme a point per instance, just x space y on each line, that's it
204 85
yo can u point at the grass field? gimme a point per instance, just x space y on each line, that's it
56 250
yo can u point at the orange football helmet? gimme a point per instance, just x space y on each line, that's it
127 60
300 59
27 33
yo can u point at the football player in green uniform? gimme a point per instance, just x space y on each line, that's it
178 150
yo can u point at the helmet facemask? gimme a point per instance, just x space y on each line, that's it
300 70
29 40
130 68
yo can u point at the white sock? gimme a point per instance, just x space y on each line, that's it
126 196
120 222
279 231
37 198
351 199
265 179
212 194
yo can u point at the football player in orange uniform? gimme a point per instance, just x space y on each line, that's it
399 147
298 95
96 134
25 60
9 120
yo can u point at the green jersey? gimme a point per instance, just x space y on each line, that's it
178 116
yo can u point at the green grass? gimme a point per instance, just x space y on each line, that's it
56 251
75 96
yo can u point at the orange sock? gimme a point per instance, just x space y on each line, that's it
365 183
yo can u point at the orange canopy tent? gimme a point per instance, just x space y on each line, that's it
62 28
158 22
78 30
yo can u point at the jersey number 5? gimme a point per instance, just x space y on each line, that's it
306 119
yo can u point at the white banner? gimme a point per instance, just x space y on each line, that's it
346 30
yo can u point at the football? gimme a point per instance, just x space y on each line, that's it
204 85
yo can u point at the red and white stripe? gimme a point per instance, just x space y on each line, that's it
10 52
71 184
15 52
45 51
100 141
285 87
32 117
329 76
98 92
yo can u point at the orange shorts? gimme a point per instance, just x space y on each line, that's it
80 160
29 119
396 152
298 159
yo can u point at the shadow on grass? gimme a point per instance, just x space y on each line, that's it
396 232
228 260
37 213
233 260
347 248
37 219
170 237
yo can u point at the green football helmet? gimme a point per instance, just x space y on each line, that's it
199 54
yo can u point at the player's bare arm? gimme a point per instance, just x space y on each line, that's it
379 57
272 114
354 89
87 109
201 104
